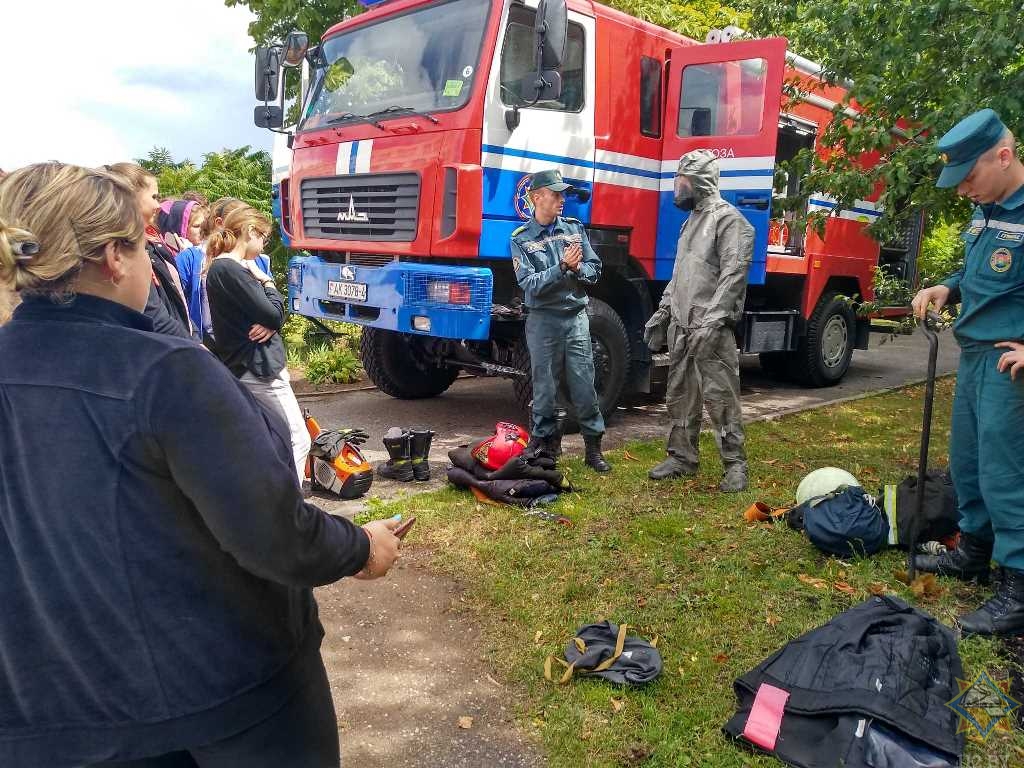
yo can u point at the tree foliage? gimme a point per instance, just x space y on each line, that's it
240 173
276 18
926 63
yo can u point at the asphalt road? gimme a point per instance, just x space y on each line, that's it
473 405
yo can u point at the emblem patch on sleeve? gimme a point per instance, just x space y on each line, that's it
1001 260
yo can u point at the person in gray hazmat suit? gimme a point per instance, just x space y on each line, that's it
697 318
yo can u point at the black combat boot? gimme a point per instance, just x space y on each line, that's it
399 445
592 454
553 444
1003 613
420 450
968 562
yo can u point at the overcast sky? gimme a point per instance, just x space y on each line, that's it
91 82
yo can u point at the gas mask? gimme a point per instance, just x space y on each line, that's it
683 194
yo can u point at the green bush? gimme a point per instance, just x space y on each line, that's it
942 252
334 363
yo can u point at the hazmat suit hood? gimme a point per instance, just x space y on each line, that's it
700 167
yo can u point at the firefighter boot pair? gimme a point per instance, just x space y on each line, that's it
420 449
968 562
1003 613
408 450
592 455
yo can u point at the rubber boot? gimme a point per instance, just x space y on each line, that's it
593 457
420 450
968 562
735 478
671 467
399 446
1003 613
553 444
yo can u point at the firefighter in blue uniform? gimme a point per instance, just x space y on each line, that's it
987 443
553 261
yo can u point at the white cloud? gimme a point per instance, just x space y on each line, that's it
98 82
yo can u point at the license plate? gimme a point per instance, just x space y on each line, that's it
336 289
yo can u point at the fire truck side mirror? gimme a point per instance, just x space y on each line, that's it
268 116
546 87
551 28
295 47
268 73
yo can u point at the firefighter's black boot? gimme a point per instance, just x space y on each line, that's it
592 454
1003 613
399 445
420 450
968 562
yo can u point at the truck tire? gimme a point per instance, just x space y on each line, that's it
825 351
397 366
610 344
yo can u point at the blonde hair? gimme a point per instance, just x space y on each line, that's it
54 218
224 238
137 176
219 209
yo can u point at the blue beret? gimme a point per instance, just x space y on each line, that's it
965 142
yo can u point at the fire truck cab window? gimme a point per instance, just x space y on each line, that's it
362 71
722 98
650 97
518 66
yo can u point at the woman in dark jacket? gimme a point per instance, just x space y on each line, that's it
157 556
166 305
247 313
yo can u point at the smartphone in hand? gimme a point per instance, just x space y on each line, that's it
403 529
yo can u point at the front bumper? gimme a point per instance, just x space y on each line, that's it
424 299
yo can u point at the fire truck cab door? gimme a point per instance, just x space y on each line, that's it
723 97
553 134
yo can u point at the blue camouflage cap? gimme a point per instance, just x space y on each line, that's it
551 179
965 142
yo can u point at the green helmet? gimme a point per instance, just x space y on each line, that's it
822 482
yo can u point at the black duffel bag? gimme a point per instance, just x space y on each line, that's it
939 517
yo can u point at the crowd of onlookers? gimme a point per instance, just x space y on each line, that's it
158 552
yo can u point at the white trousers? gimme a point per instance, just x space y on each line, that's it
277 396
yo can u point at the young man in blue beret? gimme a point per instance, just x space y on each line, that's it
554 264
986 452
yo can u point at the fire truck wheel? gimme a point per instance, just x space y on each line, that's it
396 364
824 354
609 341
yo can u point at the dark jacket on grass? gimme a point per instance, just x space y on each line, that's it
156 556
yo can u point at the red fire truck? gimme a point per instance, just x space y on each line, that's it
420 121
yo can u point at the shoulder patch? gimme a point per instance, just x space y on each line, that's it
518 230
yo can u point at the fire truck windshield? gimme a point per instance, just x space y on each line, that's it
425 60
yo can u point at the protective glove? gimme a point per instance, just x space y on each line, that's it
355 435
701 341
656 329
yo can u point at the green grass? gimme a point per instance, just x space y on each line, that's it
677 560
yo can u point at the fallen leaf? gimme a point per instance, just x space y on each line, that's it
721 658
663 587
926 587
800 464
878 588
537 636
629 456
641 602
771 619
465 722
812 581
617 705
681 671
845 588
770 462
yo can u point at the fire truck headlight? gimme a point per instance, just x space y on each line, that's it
437 291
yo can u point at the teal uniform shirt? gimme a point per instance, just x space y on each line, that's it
536 257
985 449
990 285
